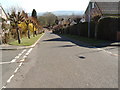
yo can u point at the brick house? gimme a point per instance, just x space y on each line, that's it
103 9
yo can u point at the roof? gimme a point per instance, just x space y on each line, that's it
108 7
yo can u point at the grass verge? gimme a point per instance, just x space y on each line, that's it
25 41
86 40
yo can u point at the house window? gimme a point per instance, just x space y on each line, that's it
93 5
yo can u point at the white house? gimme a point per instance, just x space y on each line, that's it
4 16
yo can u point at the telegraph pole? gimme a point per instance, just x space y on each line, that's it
89 16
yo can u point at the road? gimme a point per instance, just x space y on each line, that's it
9 63
56 62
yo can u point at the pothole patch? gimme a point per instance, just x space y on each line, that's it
82 57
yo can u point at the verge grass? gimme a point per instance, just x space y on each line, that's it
86 40
25 41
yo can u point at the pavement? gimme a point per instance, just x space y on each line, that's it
10 47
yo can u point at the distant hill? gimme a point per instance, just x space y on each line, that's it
60 13
67 12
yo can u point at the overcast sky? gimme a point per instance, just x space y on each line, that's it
47 5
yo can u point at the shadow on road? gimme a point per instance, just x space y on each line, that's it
80 43
64 39
56 39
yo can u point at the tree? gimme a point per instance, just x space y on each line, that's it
48 19
34 21
27 21
56 21
15 19
42 20
34 13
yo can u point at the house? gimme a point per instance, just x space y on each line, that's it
3 19
102 9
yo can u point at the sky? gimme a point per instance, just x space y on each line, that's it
46 5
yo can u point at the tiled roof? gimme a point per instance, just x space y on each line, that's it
108 7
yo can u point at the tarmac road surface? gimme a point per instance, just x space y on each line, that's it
56 62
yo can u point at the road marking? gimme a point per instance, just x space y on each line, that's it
27 54
5 63
107 52
20 64
2 87
16 70
20 54
8 81
23 51
13 60
24 57
22 60
30 50
17 57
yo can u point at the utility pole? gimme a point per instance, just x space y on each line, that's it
89 16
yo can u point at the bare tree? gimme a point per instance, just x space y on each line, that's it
16 18
27 21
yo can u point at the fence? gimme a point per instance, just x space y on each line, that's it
107 29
